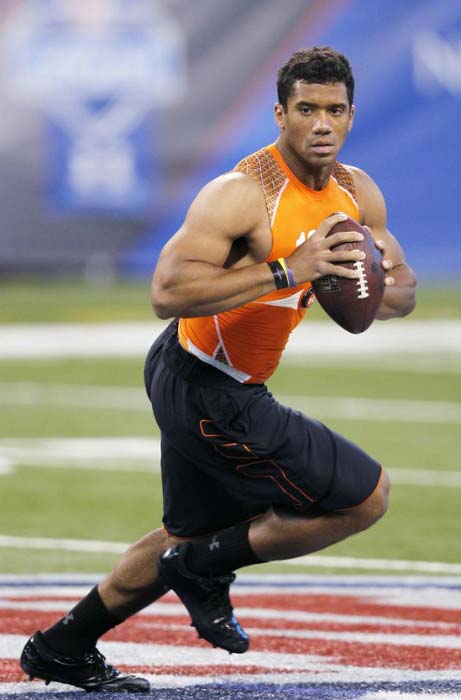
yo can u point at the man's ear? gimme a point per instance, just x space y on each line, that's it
351 117
279 115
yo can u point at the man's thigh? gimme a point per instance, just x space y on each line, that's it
288 459
197 498
232 452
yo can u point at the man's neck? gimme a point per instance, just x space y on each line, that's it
316 179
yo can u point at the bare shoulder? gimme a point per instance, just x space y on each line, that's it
228 208
231 184
233 202
372 205
364 184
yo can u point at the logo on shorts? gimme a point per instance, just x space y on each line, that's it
214 544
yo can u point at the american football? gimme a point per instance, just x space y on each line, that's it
353 303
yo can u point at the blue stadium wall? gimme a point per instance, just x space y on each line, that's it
406 58
109 130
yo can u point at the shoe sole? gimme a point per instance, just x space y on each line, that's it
49 677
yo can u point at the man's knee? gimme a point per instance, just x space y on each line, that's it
375 506
381 495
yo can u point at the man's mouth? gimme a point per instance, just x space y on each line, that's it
322 147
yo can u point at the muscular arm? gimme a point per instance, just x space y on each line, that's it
191 278
399 293
200 271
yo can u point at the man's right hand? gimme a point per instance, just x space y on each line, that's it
315 258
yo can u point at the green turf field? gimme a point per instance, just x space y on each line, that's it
86 502
41 302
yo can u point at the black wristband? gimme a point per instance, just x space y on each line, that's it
280 278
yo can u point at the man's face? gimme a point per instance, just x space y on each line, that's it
316 122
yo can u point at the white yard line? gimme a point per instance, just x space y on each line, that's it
419 640
311 339
375 564
393 410
98 546
120 398
70 451
141 454
172 610
423 477
101 546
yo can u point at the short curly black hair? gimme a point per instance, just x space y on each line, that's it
319 64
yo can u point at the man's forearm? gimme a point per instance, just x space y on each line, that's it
399 299
200 289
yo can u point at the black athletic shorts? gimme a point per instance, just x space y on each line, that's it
230 451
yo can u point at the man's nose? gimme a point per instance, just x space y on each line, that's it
322 124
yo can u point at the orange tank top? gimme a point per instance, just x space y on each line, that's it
247 342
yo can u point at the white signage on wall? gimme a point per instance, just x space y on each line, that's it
97 68
437 63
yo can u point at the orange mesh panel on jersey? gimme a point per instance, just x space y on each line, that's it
263 168
344 178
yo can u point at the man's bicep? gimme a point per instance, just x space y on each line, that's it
373 213
220 214
186 258
375 217
372 206
191 277
196 244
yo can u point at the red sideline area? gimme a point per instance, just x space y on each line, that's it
420 637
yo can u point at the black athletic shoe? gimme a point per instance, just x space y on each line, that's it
206 599
88 671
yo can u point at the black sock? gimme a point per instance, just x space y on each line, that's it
222 553
78 631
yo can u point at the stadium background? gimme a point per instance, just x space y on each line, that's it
113 115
